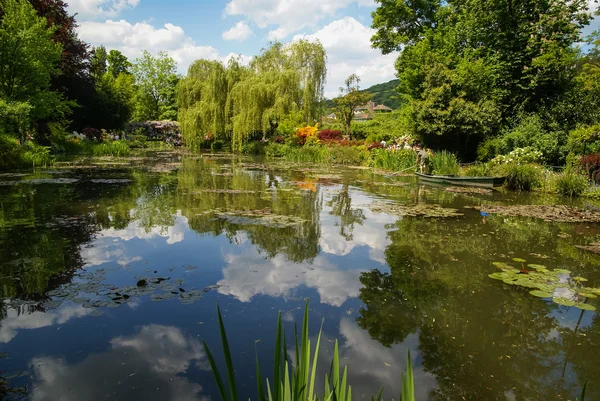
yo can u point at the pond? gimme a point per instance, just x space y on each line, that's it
111 270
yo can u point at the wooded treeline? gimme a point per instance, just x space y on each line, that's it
52 83
488 76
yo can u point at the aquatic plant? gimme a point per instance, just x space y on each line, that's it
544 283
115 148
522 177
570 183
478 170
395 161
444 163
296 382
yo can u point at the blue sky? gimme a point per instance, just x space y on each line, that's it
219 29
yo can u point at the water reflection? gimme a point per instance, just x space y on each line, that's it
264 236
149 365
250 273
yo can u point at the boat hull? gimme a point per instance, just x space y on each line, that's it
478 182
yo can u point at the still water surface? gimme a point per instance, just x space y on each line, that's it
110 272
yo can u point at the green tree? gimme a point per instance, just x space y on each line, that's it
350 98
29 60
283 80
468 66
118 63
156 79
99 62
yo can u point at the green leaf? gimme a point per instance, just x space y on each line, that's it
215 371
564 301
519 260
540 294
228 360
583 306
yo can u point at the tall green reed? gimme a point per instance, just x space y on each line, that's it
296 382
444 163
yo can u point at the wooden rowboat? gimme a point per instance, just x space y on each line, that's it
479 182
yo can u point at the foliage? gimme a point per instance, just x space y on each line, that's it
570 183
385 126
282 80
117 63
98 62
478 170
350 98
114 148
582 137
591 166
350 155
156 79
295 381
465 80
329 135
254 148
519 156
532 133
522 177
216 145
308 133
30 58
394 161
444 163
280 91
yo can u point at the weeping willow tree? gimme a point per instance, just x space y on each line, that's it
285 79
236 102
203 97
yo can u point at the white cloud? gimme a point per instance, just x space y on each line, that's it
23 320
348 46
132 39
371 233
240 31
99 8
289 15
157 354
250 273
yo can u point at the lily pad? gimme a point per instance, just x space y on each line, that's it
559 213
540 294
580 279
418 210
519 260
583 306
97 312
503 266
564 301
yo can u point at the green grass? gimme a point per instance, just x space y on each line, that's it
291 382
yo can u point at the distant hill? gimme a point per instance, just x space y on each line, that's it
382 94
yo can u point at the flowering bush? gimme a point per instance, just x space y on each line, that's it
330 135
591 166
304 133
92 134
519 156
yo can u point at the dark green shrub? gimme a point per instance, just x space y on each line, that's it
571 183
254 148
217 145
522 177
348 155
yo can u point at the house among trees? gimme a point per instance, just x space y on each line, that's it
367 111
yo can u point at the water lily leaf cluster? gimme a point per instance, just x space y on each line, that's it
557 284
558 213
417 210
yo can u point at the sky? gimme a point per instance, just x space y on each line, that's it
219 29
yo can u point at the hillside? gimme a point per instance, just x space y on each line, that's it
384 93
